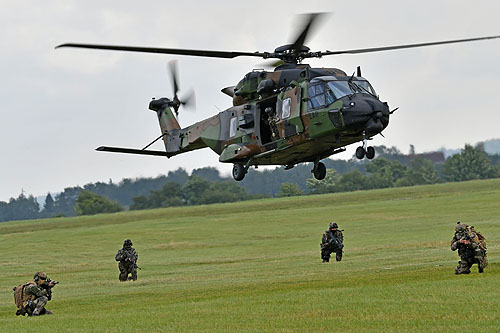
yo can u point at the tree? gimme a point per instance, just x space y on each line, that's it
48 207
21 208
209 173
352 181
290 190
227 191
384 172
89 203
194 189
422 172
169 195
412 150
140 202
471 163
327 185
4 211
65 201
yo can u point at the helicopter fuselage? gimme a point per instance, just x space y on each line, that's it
284 117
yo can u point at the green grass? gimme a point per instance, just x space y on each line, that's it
255 266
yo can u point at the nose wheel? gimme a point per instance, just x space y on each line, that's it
363 151
369 152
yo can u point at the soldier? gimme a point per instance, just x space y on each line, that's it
32 297
332 241
127 261
271 121
471 246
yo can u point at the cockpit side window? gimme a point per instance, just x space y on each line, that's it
317 96
285 109
233 127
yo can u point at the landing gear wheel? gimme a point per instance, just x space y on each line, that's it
338 256
238 172
319 171
370 153
360 153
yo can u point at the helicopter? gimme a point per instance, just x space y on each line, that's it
293 114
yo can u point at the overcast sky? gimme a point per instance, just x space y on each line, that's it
57 106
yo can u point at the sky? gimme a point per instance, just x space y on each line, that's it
57 106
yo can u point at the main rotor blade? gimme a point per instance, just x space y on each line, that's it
310 21
189 100
407 46
173 74
196 53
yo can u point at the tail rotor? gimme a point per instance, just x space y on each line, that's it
189 100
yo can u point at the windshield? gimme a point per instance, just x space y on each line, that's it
322 94
338 89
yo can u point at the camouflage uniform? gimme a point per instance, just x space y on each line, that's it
35 296
470 248
332 241
127 261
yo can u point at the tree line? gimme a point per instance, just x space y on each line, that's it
206 186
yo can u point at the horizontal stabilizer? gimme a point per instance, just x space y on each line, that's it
135 151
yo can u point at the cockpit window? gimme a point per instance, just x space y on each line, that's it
324 93
317 96
338 89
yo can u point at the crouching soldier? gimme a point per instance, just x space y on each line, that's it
332 241
471 246
127 261
31 297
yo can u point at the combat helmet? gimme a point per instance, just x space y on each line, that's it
40 278
127 242
333 225
460 227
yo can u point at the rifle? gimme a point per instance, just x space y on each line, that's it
465 237
334 241
52 283
129 259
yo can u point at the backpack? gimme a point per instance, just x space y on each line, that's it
20 297
482 240
477 237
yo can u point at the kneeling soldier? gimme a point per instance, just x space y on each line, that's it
127 261
332 241
32 297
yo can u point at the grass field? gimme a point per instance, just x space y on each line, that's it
255 266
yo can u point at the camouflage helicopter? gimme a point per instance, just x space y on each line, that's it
291 115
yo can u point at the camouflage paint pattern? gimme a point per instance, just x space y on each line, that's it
237 134
470 249
327 248
127 263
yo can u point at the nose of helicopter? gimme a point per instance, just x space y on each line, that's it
365 112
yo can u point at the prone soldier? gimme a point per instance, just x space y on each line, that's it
127 261
332 241
471 246
31 297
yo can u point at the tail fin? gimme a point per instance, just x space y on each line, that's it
166 117
168 123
